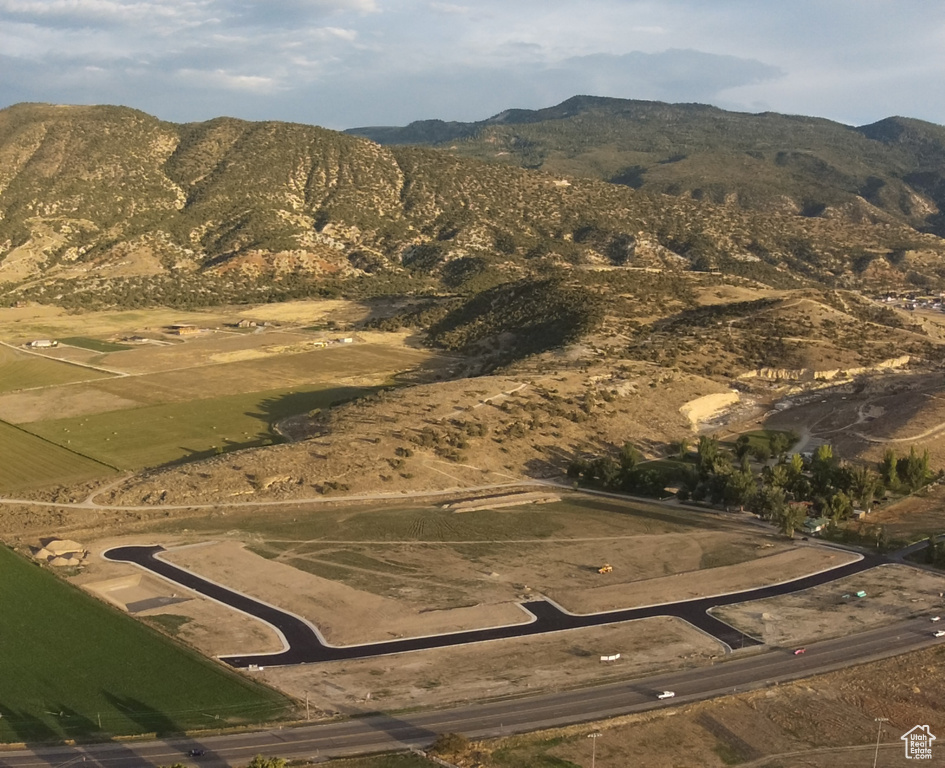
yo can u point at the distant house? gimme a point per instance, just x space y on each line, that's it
859 514
43 344
184 329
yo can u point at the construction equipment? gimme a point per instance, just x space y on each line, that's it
605 568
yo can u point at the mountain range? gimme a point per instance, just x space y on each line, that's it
111 206
894 167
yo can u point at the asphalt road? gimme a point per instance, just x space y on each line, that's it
304 645
746 670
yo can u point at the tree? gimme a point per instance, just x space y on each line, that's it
779 442
777 476
680 447
888 470
916 470
708 450
864 484
839 507
629 457
739 487
768 503
822 468
791 518
742 446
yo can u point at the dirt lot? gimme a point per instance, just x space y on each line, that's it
893 593
498 668
863 419
914 517
771 569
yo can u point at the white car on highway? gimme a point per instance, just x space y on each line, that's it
935 618
939 633
670 694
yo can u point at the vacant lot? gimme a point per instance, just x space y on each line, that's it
28 461
69 662
893 593
21 370
158 434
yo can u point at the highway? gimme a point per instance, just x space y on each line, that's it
743 671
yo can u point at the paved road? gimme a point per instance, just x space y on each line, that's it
549 710
304 644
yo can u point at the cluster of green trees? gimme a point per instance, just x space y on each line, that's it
785 491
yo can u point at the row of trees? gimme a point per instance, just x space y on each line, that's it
785 491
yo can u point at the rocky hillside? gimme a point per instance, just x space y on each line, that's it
892 169
109 206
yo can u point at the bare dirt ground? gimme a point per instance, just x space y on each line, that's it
498 668
893 593
775 568
344 615
914 517
211 628
863 418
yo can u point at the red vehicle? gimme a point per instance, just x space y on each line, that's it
799 651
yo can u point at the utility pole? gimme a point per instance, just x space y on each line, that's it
307 716
879 731
594 737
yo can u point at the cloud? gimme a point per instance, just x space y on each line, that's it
201 79
349 62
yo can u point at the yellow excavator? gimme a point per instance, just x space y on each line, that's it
605 568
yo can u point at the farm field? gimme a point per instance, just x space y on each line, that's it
27 461
70 662
95 345
21 370
181 399
157 434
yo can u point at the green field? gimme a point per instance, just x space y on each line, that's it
160 434
28 461
70 662
96 345
572 517
19 370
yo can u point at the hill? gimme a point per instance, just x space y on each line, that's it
108 206
894 168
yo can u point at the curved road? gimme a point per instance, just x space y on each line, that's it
383 732
304 644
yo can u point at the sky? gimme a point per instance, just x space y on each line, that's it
348 63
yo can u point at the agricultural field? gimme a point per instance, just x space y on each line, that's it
27 460
95 345
73 667
159 434
176 399
22 370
